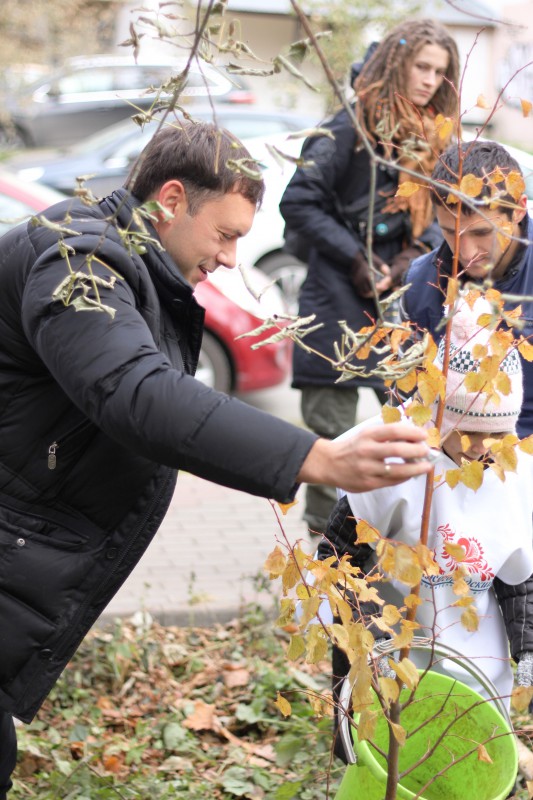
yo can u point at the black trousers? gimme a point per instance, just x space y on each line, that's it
8 752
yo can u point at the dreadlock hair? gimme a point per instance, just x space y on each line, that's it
381 85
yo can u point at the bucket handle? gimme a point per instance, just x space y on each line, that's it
418 643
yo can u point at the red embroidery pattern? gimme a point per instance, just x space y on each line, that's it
474 560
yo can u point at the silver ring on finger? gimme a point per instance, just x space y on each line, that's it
388 470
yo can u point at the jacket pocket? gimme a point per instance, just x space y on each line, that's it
42 564
22 632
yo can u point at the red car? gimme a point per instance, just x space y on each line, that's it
226 364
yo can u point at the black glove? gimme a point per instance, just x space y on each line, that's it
400 263
360 273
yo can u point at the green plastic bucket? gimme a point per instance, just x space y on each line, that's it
438 707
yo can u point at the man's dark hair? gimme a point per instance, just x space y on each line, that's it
197 154
483 159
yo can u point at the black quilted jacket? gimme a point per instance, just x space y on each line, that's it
96 415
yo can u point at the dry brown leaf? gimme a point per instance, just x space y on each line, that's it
202 718
236 677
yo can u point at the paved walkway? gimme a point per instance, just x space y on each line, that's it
204 561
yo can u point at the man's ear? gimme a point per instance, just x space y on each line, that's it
520 212
173 198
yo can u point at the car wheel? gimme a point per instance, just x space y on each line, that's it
214 367
288 273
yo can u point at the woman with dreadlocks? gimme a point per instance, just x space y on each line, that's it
405 82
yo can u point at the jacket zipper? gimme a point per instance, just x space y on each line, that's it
52 450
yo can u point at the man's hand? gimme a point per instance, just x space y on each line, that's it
357 463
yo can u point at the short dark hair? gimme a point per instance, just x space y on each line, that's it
483 159
203 157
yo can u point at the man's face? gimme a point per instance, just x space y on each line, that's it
199 244
481 250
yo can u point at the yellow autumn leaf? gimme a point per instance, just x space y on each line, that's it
431 385
526 445
366 533
418 413
497 176
444 128
502 384
296 648
515 185
498 471
398 732
481 101
455 551
302 591
426 559
471 186
460 586
479 351
514 313
413 601
390 614
526 107
366 726
433 439
470 619
284 507
286 615
317 645
475 381
276 562
309 608
388 689
452 477
482 754
521 697
283 705
507 459
403 639
503 235
291 576
406 567
407 188
380 623
451 292
405 384
472 475
525 349
463 602
408 673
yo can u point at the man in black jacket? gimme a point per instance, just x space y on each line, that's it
99 409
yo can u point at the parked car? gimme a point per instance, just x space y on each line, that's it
20 200
106 157
88 94
226 363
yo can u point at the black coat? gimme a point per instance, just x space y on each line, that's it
114 402
340 170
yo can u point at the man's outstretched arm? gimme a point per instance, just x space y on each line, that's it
357 463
